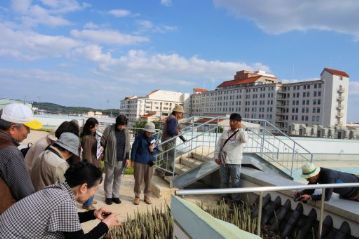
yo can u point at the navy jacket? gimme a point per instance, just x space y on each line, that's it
327 175
140 152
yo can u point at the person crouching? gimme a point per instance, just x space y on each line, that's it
143 154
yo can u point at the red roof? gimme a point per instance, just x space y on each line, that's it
199 90
239 82
336 72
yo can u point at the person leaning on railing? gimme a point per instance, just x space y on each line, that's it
320 175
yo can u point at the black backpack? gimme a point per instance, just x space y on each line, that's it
26 149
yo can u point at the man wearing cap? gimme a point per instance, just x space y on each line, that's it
171 130
143 154
116 143
49 168
320 175
15 123
229 154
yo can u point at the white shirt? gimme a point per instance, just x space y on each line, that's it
234 146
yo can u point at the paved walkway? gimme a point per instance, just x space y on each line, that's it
127 208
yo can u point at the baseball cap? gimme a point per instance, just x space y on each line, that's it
20 114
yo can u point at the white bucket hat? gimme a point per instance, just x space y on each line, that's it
20 114
150 127
309 170
70 142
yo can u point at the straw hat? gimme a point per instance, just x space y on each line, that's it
178 108
309 170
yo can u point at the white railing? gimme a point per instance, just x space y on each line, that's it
266 140
261 190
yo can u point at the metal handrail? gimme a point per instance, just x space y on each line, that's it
284 134
182 133
270 189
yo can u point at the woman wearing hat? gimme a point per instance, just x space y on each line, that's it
143 154
116 143
320 175
49 168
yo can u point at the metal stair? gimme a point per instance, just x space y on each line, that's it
268 148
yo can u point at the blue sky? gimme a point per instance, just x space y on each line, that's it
94 53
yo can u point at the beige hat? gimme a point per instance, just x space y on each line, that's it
150 127
309 170
178 108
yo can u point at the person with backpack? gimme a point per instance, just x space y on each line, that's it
229 153
41 145
16 120
51 165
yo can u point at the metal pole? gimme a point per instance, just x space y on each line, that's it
321 213
291 169
260 213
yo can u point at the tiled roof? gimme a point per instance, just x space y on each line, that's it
239 82
199 90
336 72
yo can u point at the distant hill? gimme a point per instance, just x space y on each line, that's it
60 109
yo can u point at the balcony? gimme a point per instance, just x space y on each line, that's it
340 98
340 115
341 90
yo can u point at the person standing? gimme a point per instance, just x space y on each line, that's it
89 149
41 145
171 130
229 154
15 183
116 143
143 154
50 167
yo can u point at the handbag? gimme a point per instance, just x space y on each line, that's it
222 154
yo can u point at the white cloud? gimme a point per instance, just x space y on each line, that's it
145 25
30 45
21 6
50 13
120 12
64 6
108 37
166 2
279 16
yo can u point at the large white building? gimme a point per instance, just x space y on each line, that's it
260 95
155 105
